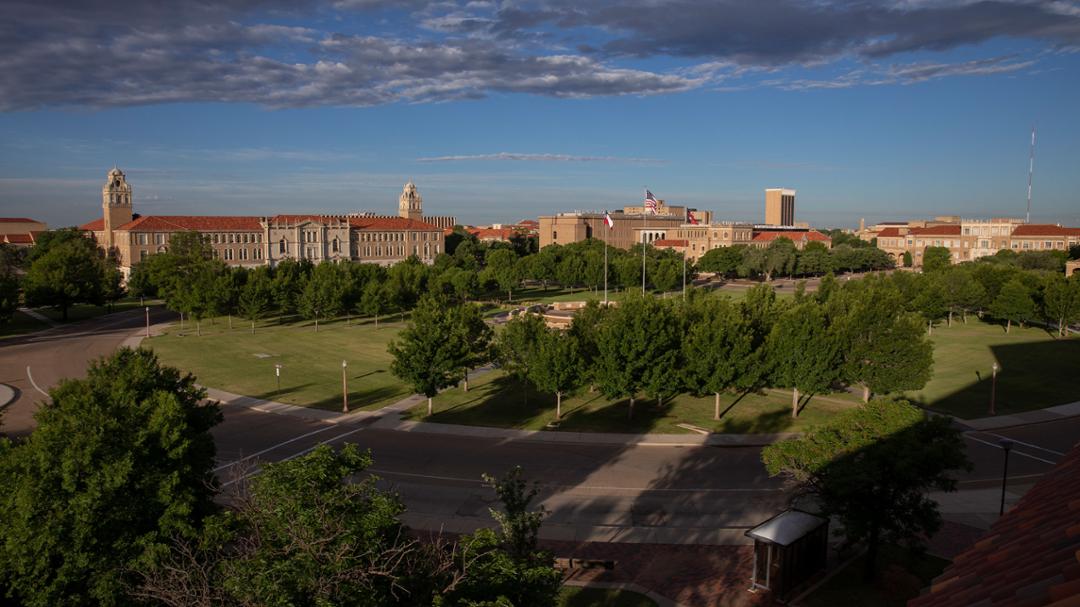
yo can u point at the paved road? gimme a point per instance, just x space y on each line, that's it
645 493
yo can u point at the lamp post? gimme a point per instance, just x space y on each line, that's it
1005 444
993 386
344 388
316 320
277 376
147 322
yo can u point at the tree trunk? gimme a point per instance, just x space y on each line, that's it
376 321
950 318
558 406
794 402
198 327
865 393
1008 325
181 322
230 322
466 379
929 327
509 295
429 406
253 327
630 412
716 408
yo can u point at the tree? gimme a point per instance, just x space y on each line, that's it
324 293
71 272
634 336
1061 302
119 462
721 260
9 294
780 258
752 262
477 336
376 299
288 283
517 345
935 259
803 353
556 368
872 467
929 300
668 273
908 262
503 270
1013 304
958 289
719 352
256 297
430 353
813 259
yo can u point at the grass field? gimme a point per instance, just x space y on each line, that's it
495 400
240 362
576 596
1037 370
23 323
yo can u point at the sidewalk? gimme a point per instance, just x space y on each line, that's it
1019 419
38 316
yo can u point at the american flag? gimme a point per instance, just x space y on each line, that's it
650 203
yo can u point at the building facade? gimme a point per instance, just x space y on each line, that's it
970 239
20 231
255 241
628 229
780 207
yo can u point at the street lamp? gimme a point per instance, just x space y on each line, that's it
277 376
993 386
316 320
147 322
344 388
1005 444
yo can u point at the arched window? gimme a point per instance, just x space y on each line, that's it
334 246
283 247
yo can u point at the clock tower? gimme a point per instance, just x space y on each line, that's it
116 204
410 205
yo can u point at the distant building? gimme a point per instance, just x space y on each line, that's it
970 239
255 241
1072 268
780 207
702 238
764 238
631 225
500 232
20 231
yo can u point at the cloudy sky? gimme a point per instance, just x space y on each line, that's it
501 110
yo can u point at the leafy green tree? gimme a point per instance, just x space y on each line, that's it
430 353
803 353
517 345
724 261
667 274
571 269
908 262
50 239
752 263
201 295
935 259
929 301
257 297
9 294
376 299
119 462
478 338
324 293
557 366
1061 302
585 329
71 272
872 468
813 259
1013 304
191 246
959 290
719 353
290 276
407 281
501 267
634 337
780 258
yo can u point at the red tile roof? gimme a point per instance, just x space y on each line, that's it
164 223
390 223
17 220
1030 556
529 223
96 225
811 235
1035 229
671 242
889 232
493 233
294 219
946 230
23 238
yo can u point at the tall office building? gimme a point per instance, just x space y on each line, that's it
779 207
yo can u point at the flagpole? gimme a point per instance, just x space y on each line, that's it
684 274
606 228
644 226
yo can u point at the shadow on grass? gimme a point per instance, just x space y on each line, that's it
384 395
285 390
765 423
1033 375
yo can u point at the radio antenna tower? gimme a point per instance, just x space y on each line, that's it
1031 169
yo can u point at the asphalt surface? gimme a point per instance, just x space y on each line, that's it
600 492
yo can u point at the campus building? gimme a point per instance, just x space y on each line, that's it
256 241
20 231
780 207
631 225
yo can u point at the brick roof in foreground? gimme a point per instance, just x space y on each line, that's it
889 233
1029 558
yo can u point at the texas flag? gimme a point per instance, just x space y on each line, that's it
608 221
690 217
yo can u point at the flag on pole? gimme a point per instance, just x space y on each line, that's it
651 204
608 221
690 218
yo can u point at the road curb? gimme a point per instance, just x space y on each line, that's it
1060 412
7 395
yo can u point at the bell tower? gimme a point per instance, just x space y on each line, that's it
116 204
410 205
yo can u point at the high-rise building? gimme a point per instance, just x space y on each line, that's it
779 207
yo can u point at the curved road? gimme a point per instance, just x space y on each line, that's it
598 492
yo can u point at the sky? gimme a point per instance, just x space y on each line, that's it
505 110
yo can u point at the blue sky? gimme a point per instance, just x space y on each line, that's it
506 110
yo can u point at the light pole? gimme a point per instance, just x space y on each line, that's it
1005 444
147 322
993 386
316 320
344 388
277 376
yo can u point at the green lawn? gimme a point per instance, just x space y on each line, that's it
496 400
240 362
577 596
84 311
1037 370
900 578
21 323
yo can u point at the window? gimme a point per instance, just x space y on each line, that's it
282 246
143 239
334 246
228 254
159 238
